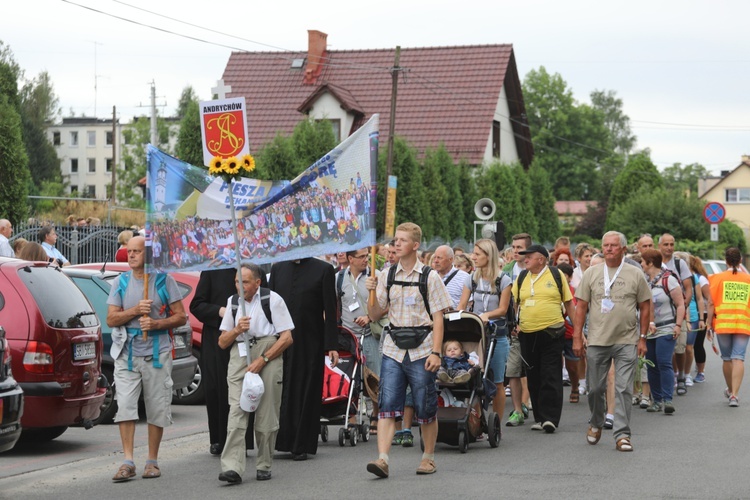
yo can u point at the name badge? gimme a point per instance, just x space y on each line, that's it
607 305
529 303
409 301
353 307
243 350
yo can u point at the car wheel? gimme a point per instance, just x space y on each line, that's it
109 405
193 394
42 434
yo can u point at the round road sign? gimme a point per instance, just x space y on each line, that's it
714 212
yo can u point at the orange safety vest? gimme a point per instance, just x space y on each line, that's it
731 296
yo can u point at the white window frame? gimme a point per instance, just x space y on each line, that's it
737 195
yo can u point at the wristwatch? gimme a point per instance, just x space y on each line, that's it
643 336
435 353
265 359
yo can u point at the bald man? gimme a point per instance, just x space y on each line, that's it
6 230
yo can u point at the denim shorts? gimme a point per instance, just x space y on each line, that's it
394 378
568 350
732 345
692 333
499 359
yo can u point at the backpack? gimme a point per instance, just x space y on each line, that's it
510 314
450 277
422 284
555 274
665 286
265 303
160 285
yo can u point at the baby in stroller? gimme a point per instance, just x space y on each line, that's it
456 363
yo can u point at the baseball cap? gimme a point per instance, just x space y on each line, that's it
252 390
536 249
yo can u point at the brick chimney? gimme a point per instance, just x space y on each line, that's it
316 54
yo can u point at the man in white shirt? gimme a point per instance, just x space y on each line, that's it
267 340
6 230
453 279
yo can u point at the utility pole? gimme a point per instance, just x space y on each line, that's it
113 191
154 131
395 70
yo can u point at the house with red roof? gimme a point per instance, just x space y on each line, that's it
467 97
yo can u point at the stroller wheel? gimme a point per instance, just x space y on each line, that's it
324 433
353 436
342 436
365 432
463 441
493 429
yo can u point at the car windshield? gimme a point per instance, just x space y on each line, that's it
59 300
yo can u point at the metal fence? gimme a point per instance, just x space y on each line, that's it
79 245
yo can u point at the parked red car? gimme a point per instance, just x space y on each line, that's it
187 281
11 399
55 345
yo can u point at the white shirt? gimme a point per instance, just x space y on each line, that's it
259 325
5 249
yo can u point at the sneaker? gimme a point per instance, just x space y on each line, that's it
734 402
378 467
689 381
582 389
549 427
398 438
699 378
645 403
636 400
727 394
609 422
537 426
668 407
566 382
407 440
655 407
507 392
443 376
461 377
525 410
681 388
515 419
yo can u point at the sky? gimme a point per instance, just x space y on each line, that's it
681 67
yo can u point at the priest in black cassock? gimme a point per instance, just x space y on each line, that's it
308 288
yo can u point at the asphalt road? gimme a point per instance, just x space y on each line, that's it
700 452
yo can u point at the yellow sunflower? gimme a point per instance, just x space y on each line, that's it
248 163
215 167
232 165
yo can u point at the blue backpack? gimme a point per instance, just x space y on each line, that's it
160 285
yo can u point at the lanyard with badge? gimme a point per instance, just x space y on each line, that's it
532 302
242 346
607 304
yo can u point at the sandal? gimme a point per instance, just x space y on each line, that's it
623 444
593 435
124 473
574 397
151 471
373 427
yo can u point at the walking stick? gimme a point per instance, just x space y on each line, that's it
371 298
145 297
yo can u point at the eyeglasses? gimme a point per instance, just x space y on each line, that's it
360 256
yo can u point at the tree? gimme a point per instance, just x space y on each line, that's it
13 164
528 215
276 161
570 139
449 177
684 178
544 204
657 211
439 213
137 135
468 187
616 121
312 139
189 146
187 97
38 99
640 172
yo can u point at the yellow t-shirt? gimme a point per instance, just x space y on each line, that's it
543 309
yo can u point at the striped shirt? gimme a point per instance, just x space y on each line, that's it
407 308
455 286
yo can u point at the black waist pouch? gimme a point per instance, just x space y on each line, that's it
408 338
554 332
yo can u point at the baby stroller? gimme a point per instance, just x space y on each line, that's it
466 412
342 387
